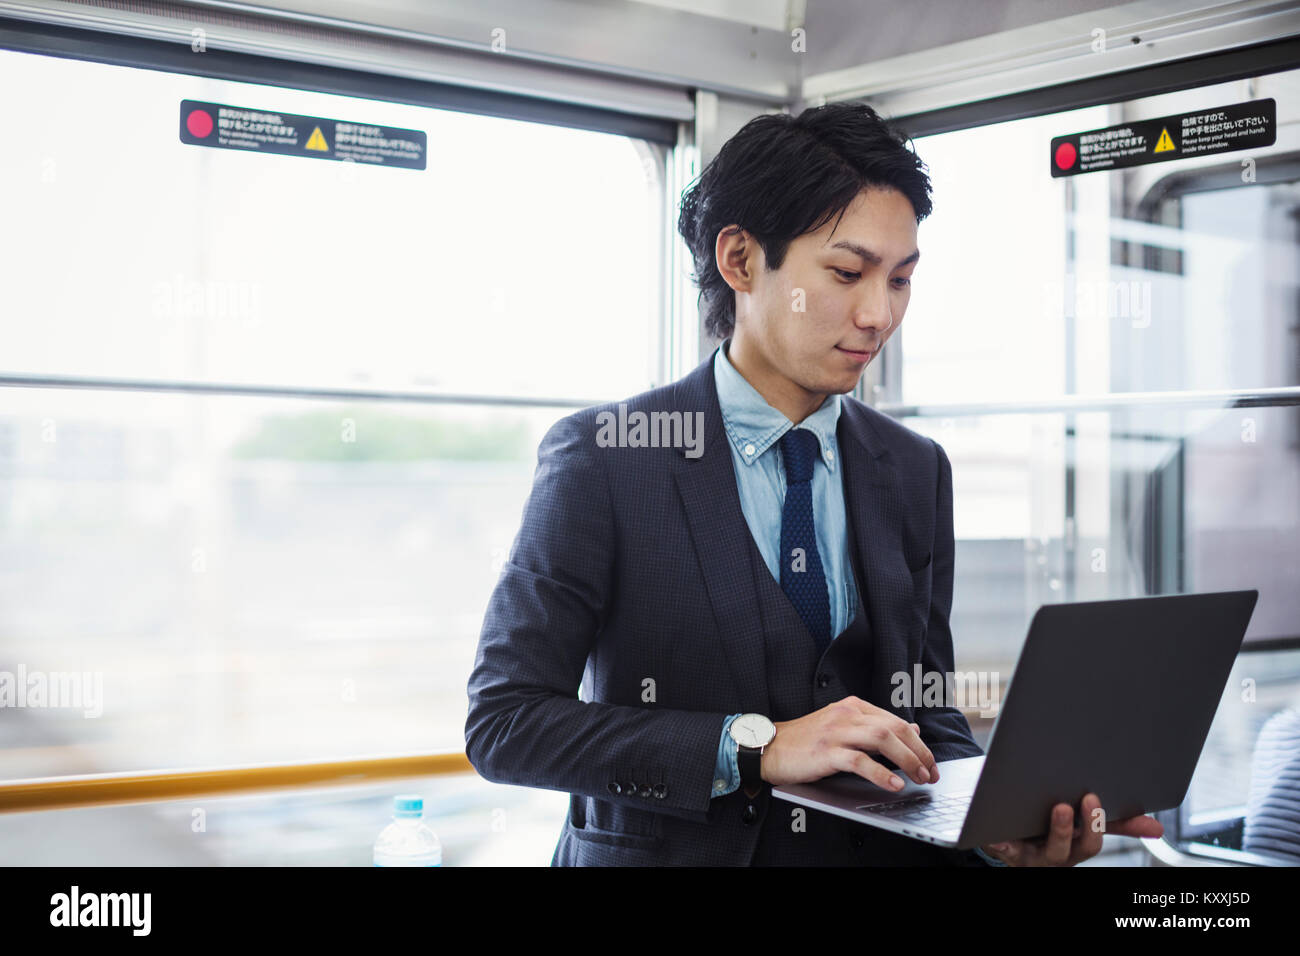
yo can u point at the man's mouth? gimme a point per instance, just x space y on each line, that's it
862 355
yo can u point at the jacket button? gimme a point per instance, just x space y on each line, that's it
659 790
629 789
857 842
643 790
749 816
822 680
614 788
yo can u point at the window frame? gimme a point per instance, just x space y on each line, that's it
1167 487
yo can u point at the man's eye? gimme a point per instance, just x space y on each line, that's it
905 280
848 275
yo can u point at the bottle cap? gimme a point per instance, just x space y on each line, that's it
408 805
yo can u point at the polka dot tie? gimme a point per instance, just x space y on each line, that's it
802 576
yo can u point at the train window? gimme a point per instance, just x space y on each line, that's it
268 577
1162 301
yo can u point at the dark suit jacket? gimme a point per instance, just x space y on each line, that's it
628 568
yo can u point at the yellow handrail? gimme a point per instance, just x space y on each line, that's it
102 789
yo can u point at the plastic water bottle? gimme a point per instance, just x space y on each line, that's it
407 841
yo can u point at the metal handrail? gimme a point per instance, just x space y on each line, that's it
1223 398
151 786
336 393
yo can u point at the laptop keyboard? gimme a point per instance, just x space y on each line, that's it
944 811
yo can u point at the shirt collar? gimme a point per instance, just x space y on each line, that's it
754 426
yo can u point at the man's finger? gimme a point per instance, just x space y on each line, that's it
934 767
855 761
910 734
898 743
1089 842
1060 837
1008 852
906 748
1139 826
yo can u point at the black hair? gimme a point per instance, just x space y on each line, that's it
782 176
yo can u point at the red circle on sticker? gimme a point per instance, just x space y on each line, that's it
199 123
1066 154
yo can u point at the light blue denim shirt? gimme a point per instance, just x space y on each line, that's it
754 428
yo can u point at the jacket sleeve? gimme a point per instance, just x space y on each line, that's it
944 729
526 723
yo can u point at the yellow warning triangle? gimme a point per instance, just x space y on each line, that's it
1163 145
317 141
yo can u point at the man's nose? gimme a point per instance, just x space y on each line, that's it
874 310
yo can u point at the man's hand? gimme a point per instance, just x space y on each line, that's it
1065 844
838 738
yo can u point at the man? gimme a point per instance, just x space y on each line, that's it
762 558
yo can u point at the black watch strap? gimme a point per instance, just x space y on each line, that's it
749 762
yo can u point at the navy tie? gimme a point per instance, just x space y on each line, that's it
802 577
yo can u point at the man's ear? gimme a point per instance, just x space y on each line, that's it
738 257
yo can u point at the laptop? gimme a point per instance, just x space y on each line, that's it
1110 697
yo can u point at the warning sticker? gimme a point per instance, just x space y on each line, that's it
288 134
1220 130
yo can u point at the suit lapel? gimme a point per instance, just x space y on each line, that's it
874 505
720 535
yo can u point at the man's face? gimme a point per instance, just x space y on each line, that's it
853 286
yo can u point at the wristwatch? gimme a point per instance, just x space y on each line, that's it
752 733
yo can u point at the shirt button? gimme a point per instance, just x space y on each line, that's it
749 450
830 455
719 785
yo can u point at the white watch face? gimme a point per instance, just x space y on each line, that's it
753 730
